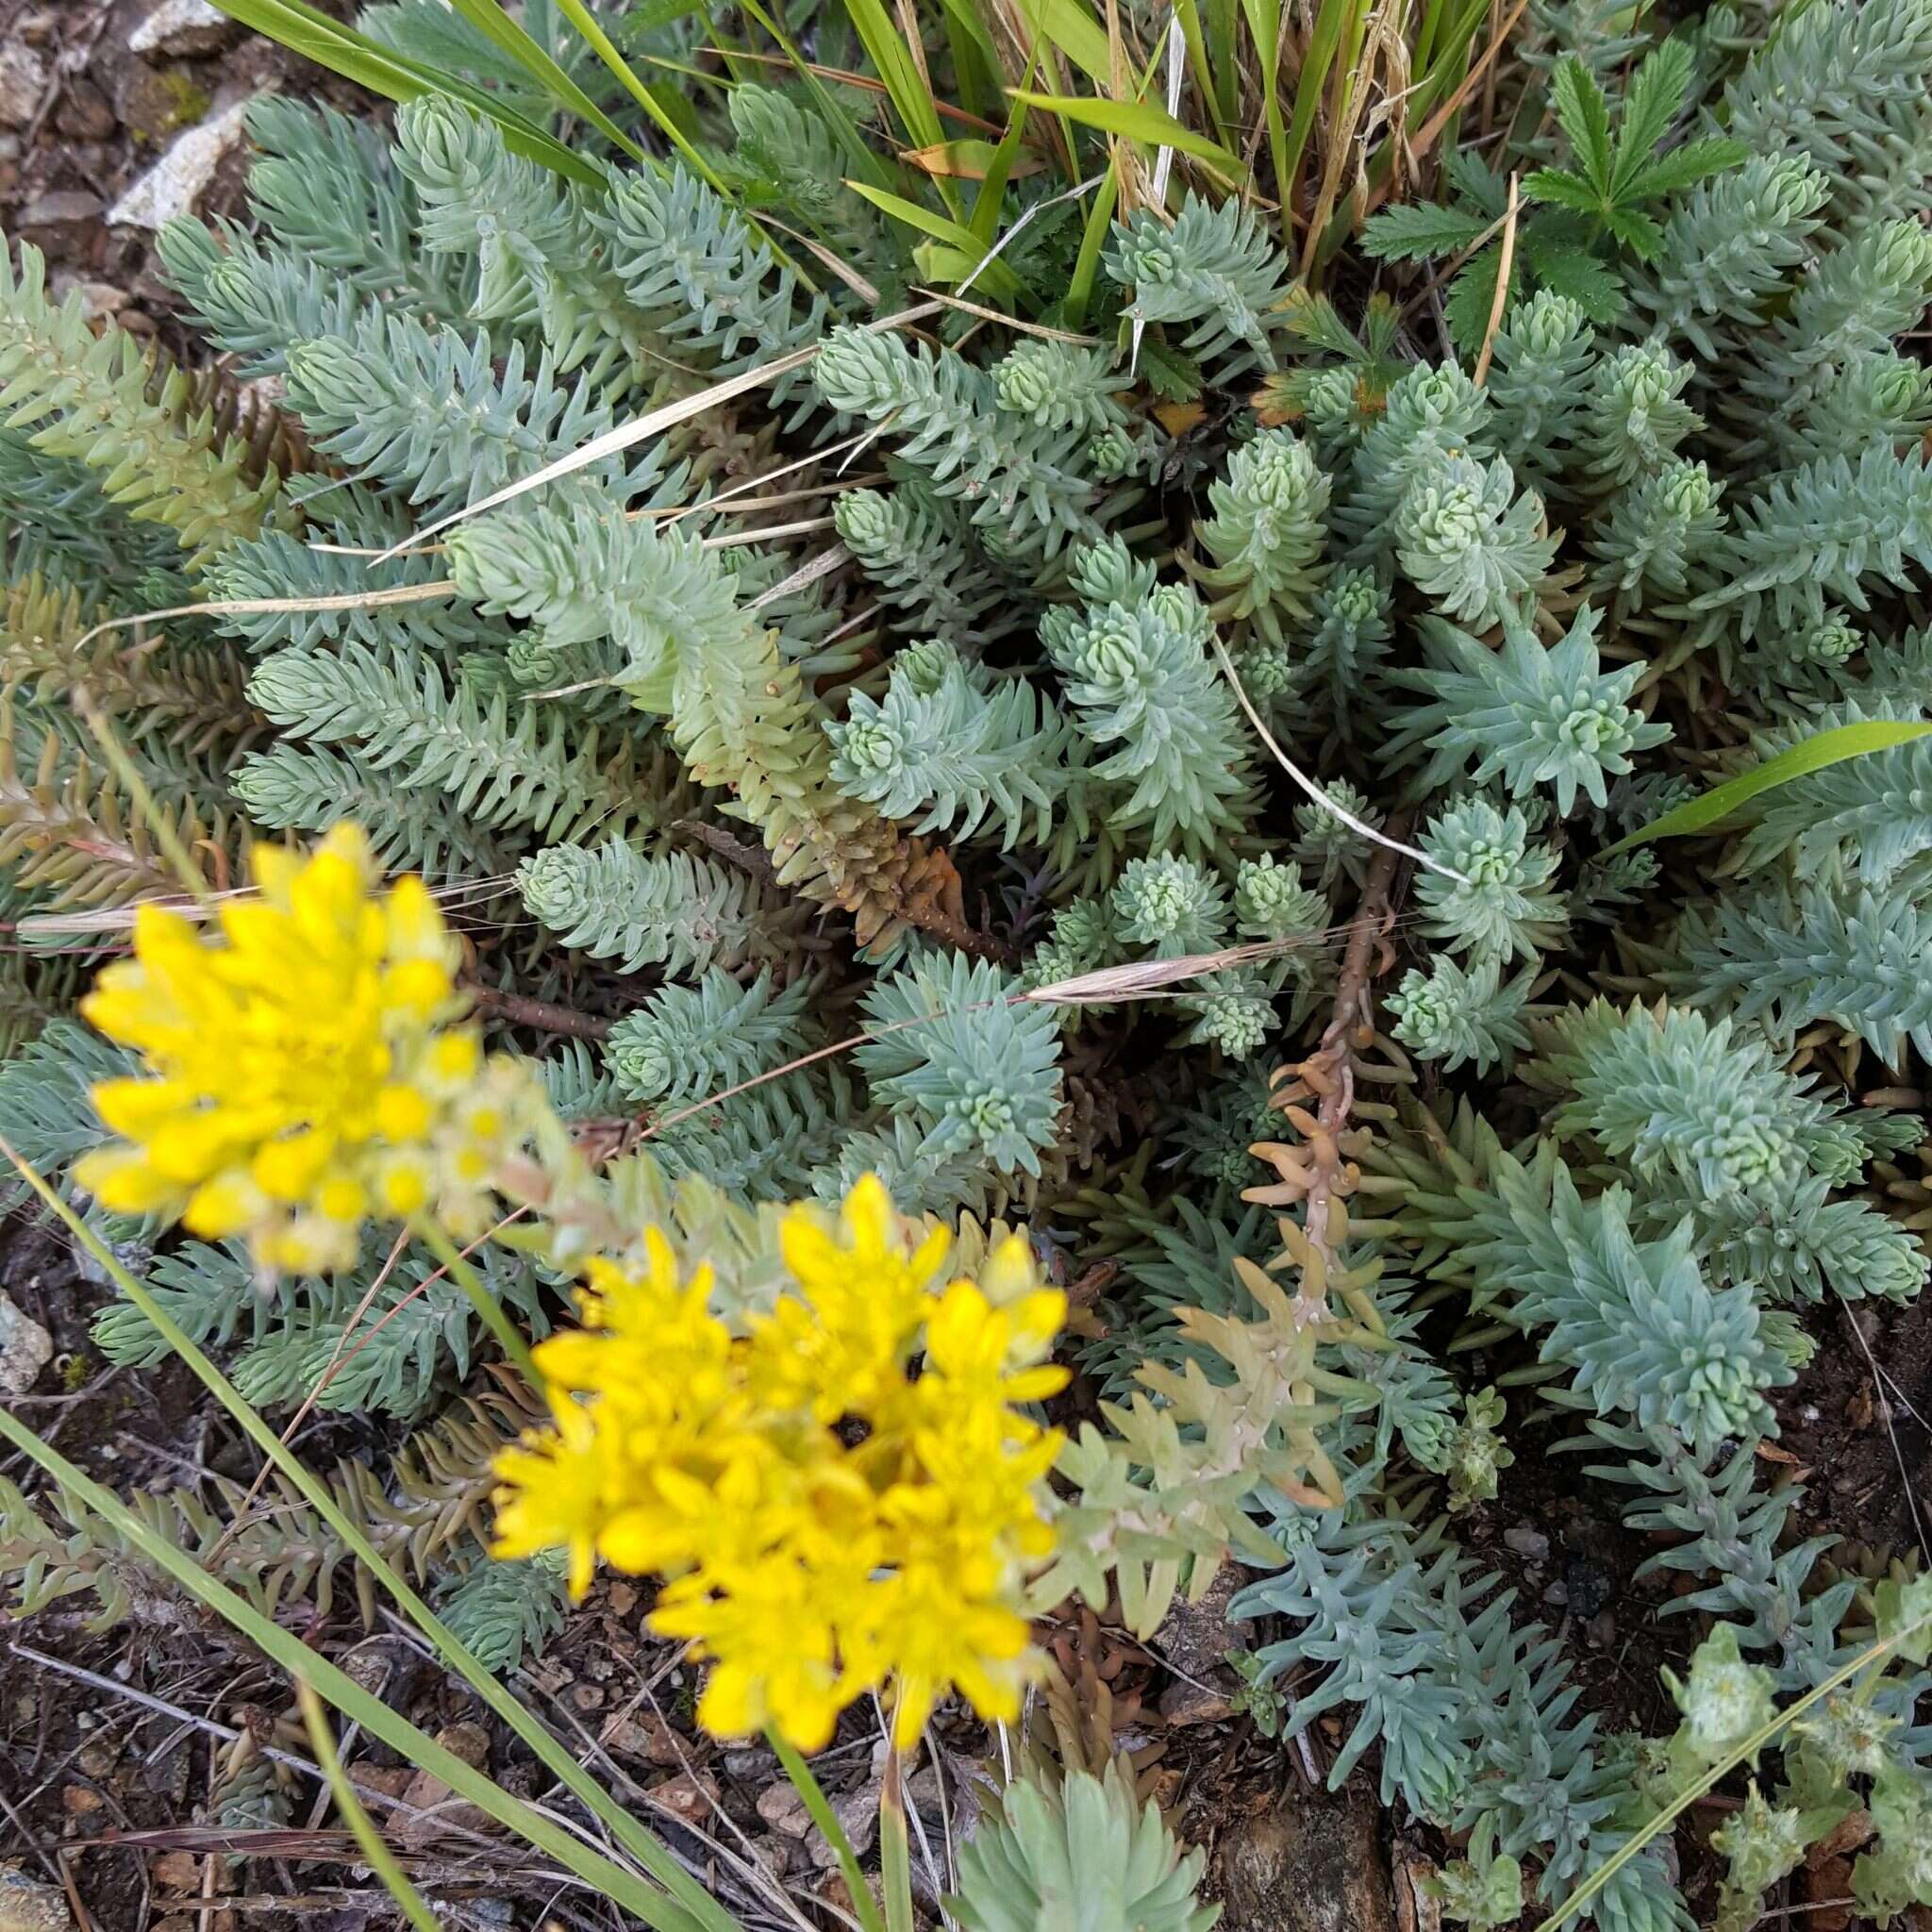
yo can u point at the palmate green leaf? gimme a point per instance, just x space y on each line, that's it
1650 104
1585 116
1414 230
1559 260
1476 183
1811 754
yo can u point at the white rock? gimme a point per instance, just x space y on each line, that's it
171 187
26 1349
23 83
181 26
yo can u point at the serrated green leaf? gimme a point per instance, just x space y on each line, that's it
1472 296
1813 753
1684 166
1585 117
1473 182
1563 189
1573 271
1412 231
1650 104
1315 320
1636 231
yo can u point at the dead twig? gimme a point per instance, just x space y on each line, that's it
544 1016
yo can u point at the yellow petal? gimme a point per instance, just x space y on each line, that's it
289 1169
226 1205
124 1182
402 1113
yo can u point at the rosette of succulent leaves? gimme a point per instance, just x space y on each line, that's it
888 690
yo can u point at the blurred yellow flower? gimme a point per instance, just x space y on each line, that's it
310 1070
841 1498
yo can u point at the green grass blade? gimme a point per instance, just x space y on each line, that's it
911 99
288 1650
489 1309
816 1803
700 1908
399 78
1337 17
985 218
1138 120
489 18
1206 68
606 50
1264 25
1087 266
1825 748
996 277
895 1852
374 1847
1067 25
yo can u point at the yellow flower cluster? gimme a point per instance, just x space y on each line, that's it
310 1070
842 1498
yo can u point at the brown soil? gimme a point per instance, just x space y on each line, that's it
83 117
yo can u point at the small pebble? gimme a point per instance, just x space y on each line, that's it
28 1904
1591 1586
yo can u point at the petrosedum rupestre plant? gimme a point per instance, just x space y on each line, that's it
800 833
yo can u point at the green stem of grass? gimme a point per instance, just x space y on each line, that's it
820 1808
374 1847
436 1237
895 1858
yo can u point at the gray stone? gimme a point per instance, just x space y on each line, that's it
183 28
1196 1637
1532 1545
783 1810
26 1349
172 186
1309 1862
859 1812
59 218
22 84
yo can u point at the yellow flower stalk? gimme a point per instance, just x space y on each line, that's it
309 1068
844 1497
